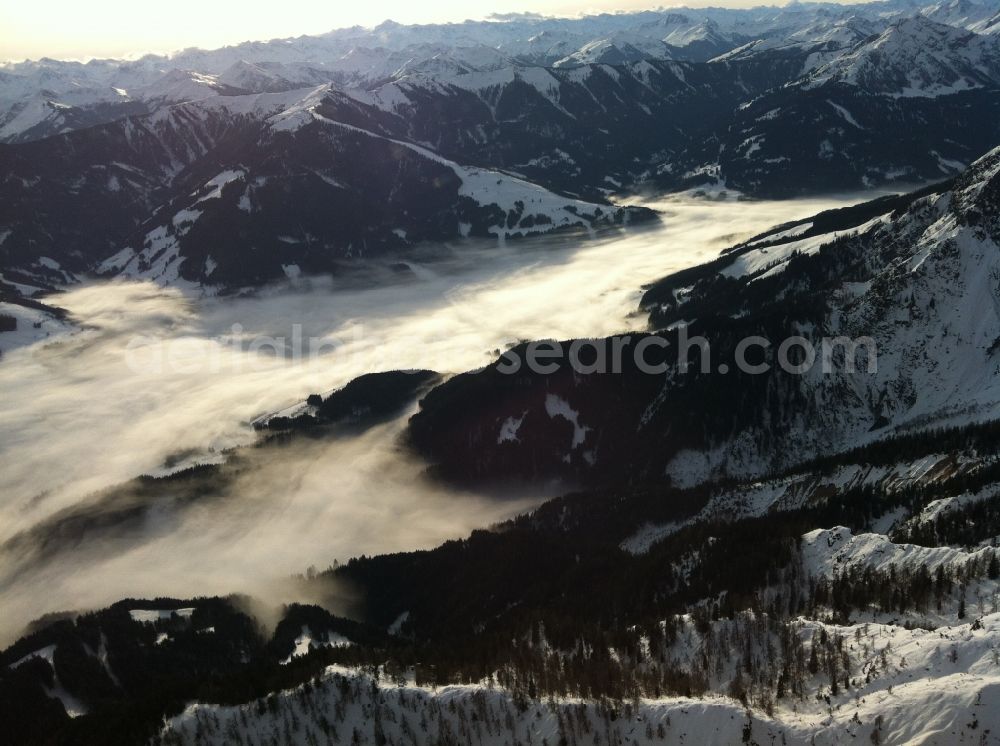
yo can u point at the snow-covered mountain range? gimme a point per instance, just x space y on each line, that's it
46 96
916 57
560 114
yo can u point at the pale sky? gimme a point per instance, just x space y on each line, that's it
114 28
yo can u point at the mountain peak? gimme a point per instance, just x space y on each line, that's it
916 56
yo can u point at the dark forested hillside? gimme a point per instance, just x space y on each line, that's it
535 604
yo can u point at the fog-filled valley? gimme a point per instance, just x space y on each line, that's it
156 380
614 379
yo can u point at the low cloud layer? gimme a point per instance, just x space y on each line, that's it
158 376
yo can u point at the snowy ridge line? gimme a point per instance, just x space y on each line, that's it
938 54
758 498
905 685
827 551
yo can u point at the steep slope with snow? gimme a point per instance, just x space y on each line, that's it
813 45
241 189
873 114
52 189
917 57
912 287
314 191
934 337
796 141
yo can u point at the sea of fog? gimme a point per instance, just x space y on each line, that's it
160 376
